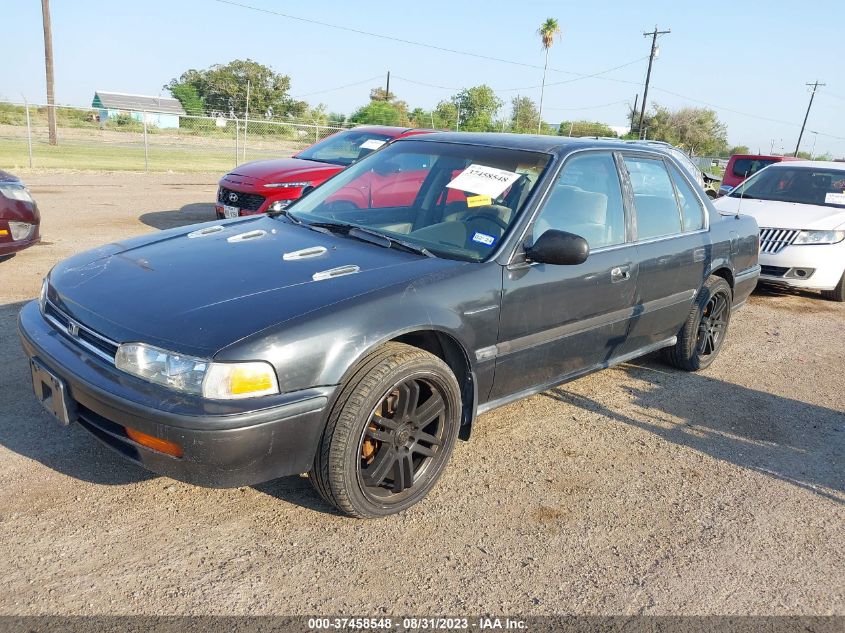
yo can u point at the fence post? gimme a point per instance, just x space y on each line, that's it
237 141
28 132
146 155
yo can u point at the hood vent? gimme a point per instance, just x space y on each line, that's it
209 230
340 271
305 253
249 235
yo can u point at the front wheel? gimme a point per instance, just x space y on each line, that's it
390 433
838 293
704 331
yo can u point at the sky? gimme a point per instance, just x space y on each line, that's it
749 61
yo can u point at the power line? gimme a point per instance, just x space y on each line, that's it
357 83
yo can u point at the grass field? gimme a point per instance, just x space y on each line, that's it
107 157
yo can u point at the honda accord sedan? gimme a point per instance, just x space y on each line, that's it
800 207
358 337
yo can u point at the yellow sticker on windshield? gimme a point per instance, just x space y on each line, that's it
479 201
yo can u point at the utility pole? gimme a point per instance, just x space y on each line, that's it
48 65
654 35
634 111
815 85
387 88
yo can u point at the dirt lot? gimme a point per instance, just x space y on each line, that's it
636 490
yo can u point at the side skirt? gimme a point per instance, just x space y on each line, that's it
519 395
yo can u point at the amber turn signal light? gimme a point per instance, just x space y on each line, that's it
155 443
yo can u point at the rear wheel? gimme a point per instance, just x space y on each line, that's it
390 433
838 293
704 332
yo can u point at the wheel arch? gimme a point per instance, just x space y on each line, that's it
725 273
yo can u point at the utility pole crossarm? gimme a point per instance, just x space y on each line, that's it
653 35
815 86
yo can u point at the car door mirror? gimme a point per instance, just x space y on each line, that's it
559 248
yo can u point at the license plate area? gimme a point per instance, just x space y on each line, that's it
230 212
52 393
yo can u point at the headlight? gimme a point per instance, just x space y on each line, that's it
278 205
289 185
42 297
15 192
218 381
819 237
20 230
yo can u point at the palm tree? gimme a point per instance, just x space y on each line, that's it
548 31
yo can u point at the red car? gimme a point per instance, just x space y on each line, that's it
741 166
19 217
271 185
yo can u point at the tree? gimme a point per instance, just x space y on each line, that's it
737 149
223 89
477 107
696 130
190 99
525 116
585 128
377 113
548 31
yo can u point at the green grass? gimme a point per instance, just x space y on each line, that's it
14 155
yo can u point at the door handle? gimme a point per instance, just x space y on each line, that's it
620 273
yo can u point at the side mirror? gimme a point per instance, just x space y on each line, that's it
560 248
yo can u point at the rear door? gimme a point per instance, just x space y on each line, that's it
559 320
673 247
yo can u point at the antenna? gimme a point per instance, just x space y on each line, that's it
741 193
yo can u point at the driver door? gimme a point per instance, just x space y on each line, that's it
557 321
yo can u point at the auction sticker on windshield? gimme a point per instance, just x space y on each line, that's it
373 143
483 180
834 198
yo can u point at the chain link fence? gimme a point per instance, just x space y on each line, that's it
135 140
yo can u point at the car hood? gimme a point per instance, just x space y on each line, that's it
785 215
283 170
197 294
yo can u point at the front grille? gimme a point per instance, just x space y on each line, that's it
773 241
773 271
80 334
246 201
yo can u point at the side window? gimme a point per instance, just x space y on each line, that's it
654 198
691 209
586 200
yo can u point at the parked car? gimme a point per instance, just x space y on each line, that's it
800 207
742 166
358 342
19 216
707 181
271 185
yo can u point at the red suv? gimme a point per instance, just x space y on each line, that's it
741 166
271 185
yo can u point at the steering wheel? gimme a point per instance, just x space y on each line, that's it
495 219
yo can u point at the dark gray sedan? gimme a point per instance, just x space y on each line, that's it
359 333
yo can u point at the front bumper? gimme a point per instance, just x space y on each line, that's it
225 444
825 262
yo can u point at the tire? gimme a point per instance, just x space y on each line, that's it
702 336
838 293
379 453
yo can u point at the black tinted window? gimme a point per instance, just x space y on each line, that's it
587 201
654 198
744 167
691 209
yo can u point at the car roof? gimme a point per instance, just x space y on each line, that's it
529 142
390 130
764 157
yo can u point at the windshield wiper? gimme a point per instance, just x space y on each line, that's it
368 235
390 242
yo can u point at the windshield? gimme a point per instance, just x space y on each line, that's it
344 148
454 201
804 185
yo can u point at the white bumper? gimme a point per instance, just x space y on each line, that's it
827 262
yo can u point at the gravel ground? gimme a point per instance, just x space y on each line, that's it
639 489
